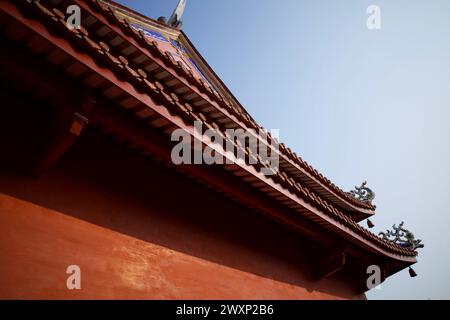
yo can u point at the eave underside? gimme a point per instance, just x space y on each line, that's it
224 109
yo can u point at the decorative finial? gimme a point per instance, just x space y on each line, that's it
363 193
402 237
175 18
162 20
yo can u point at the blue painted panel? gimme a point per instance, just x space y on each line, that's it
197 68
177 45
150 33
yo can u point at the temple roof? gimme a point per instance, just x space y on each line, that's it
168 37
145 77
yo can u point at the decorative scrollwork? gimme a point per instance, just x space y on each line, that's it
363 193
402 237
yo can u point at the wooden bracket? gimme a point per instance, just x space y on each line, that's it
330 264
60 141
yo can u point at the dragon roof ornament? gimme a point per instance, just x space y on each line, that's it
402 237
363 193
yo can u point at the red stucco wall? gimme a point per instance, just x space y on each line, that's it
140 230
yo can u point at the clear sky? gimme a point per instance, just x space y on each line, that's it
356 104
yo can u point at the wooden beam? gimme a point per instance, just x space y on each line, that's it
330 264
60 142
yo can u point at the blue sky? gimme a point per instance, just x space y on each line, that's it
356 104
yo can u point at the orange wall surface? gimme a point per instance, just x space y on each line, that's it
139 230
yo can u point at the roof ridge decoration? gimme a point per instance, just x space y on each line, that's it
120 65
402 237
363 193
